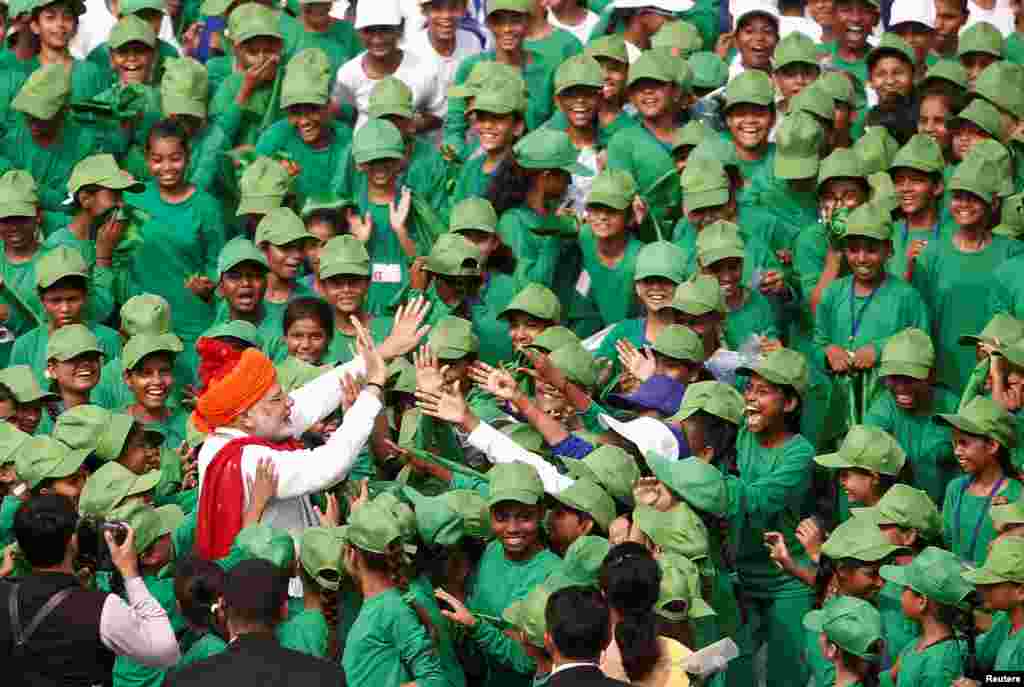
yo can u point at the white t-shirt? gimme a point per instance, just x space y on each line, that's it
1000 16
581 30
421 75
466 44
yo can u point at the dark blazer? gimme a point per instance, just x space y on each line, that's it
584 676
255 660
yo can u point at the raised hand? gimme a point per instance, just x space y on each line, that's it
262 486
640 364
407 329
376 368
494 380
398 211
350 389
360 226
429 373
331 515
544 371
449 406
460 614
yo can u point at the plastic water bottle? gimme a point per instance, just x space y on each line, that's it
711 659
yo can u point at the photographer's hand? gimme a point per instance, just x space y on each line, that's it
126 561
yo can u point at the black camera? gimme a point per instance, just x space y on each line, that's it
92 544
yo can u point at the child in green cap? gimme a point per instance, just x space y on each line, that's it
917 174
855 20
750 117
324 217
283 239
980 45
795 66
308 329
979 121
849 634
73 362
335 37
1000 585
497 120
983 436
50 467
148 364
29 399
150 13
54 25
891 66
449 278
611 53
184 91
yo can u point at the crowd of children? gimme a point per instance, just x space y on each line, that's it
644 239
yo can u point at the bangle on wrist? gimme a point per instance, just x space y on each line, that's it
380 387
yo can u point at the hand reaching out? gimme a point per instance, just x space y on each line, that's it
262 486
640 364
449 406
429 374
376 368
461 614
355 502
398 211
407 329
811 536
350 389
331 516
494 380
360 226
544 371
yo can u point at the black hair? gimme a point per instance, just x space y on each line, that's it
631 582
170 355
794 418
867 669
720 436
577 619
509 186
955 97
198 586
393 565
331 216
169 128
310 308
1005 461
43 527
71 281
899 118
7 396
254 592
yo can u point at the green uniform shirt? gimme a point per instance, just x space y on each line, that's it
937 665
206 149
387 645
609 287
1007 294
928 445
305 631
538 258
636 150
858 68
30 348
956 288
495 294
472 180
342 345
624 120
340 42
897 629
315 165
206 646
903 237
245 123
967 527
21 279
755 317
791 211
497 583
8 507
557 47
632 330
423 592
181 239
1015 48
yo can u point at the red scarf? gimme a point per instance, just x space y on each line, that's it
222 504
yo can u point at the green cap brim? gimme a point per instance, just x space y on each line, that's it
394 109
180 105
897 575
902 369
961 423
354 269
518 495
983 575
834 461
145 483
706 199
815 621
68 355
70 464
793 167
16 209
770 375
258 205
610 200
710 257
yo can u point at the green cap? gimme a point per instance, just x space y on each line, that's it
263 542
320 555
752 87
716 149
94 429
651 66
235 252
111 484
1002 84
1002 330
1014 353
45 458
489 76
22 382
860 539
237 329
437 523
579 70
390 96
581 565
612 468
324 202
611 46
698 483
59 263
517 482
452 338
909 353
814 100
782 366
677 531
1007 514
576 363
798 143
705 184
587 496
866 448
921 153
472 508
678 35
134 6
184 87
146 313
948 70
977 174
307 79
998 156
613 188
698 296
710 72
454 255
475 214
795 48
141 345
280 227
712 397
982 114
293 373
983 417
843 163
718 241
251 20
344 254
19 195
876 149
71 341
11 441
554 338
852 624
150 524
680 582
891 45
1004 563
691 134
871 221
263 186
838 85
934 573
660 259
547 148
377 139
536 300
45 92
403 515
907 507
102 170
981 37
518 6
528 615
131 29
1011 221
683 75
679 343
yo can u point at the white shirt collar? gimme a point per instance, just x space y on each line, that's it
576 664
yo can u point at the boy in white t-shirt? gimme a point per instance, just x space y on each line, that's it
574 17
443 40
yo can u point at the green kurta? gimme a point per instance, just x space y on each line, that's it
636 150
936 666
245 123
30 348
898 630
180 240
315 165
340 42
967 528
1007 294
928 445
1001 647
305 631
342 345
387 645
423 592
206 646
609 287
556 48
956 288
497 292
472 181
756 317
902 238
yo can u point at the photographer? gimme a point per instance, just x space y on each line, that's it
70 635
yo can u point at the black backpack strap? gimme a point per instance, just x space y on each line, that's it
20 636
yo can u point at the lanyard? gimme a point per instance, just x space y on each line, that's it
856 318
981 518
906 232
